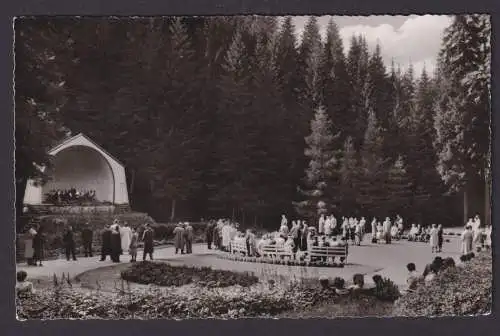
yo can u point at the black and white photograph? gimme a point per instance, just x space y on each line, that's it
252 166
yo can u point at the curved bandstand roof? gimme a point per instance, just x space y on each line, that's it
82 164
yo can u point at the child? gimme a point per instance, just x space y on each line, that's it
133 245
23 286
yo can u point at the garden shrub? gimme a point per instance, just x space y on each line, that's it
385 289
454 291
163 274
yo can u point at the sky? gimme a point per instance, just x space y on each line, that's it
404 39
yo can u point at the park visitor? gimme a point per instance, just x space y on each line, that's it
69 243
23 286
39 246
413 276
179 238
321 224
134 241
440 238
189 235
105 242
466 238
209 234
125 237
148 239
29 251
434 238
87 240
116 244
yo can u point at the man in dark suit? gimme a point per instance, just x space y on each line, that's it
87 240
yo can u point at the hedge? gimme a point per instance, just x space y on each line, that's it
455 291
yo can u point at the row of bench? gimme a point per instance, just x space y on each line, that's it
326 253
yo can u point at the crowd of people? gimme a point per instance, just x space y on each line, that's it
116 239
70 196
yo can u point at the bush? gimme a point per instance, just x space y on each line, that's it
163 274
385 289
454 291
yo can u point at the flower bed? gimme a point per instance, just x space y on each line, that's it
454 291
163 274
233 302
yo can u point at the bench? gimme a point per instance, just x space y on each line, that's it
275 251
239 246
328 252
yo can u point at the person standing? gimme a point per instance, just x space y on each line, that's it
125 237
105 242
38 244
69 243
433 240
134 241
209 234
294 233
374 230
116 246
321 224
179 238
467 237
148 239
387 230
87 240
440 238
188 232
29 251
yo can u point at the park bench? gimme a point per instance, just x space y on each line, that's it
238 246
328 253
275 251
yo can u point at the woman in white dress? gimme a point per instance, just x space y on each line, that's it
434 239
467 237
126 237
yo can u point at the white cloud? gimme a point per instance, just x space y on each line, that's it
418 40
404 39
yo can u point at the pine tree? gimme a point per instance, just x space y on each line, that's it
309 64
398 189
357 67
463 109
336 90
372 174
323 165
348 173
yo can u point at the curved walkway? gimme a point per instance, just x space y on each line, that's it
369 259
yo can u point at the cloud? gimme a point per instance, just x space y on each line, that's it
417 40
404 39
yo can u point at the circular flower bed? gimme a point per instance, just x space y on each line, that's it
163 274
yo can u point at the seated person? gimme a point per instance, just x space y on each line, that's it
394 231
23 286
413 277
412 235
289 245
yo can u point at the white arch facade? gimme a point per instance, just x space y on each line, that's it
81 164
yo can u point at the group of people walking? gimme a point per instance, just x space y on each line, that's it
183 238
116 239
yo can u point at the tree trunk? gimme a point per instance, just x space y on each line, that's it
243 215
232 216
466 206
172 213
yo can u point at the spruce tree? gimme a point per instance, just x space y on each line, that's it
463 109
336 90
322 170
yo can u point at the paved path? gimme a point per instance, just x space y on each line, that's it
386 260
